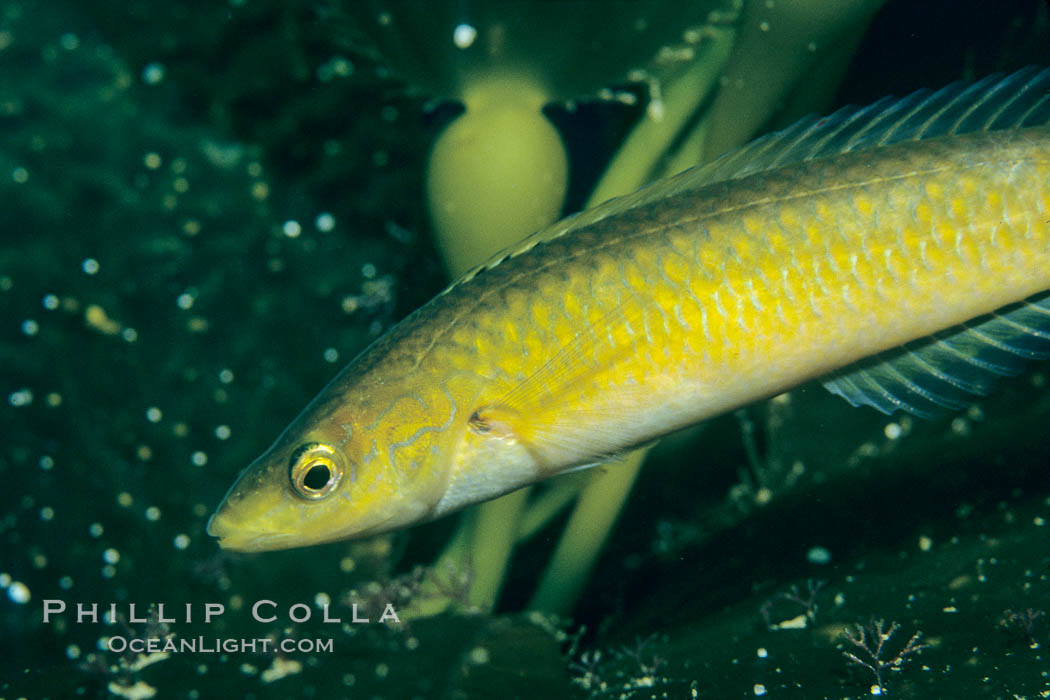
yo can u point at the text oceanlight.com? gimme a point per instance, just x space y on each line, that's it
215 645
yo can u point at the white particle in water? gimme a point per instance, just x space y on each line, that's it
154 414
335 67
5 580
89 266
153 514
182 541
20 175
111 556
50 302
324 222
291 228
47 513
22 397
153 73
95 529
331 354
65 583
72 652
185 301
818 555
46 462
893 431
69 41
199 459
18 592
463 36
109 571
226 376
368 271
341 66
30 327
350 304
222 432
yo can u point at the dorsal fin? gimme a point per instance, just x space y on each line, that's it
948 369
994 103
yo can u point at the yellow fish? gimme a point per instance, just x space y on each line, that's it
901 251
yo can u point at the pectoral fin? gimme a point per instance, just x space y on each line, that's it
573 408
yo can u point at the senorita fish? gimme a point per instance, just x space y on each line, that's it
900 251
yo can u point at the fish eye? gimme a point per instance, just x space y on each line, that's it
315 471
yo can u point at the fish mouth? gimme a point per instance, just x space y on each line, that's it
233 536
237 539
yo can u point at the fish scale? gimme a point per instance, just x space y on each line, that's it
901 252
819 276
